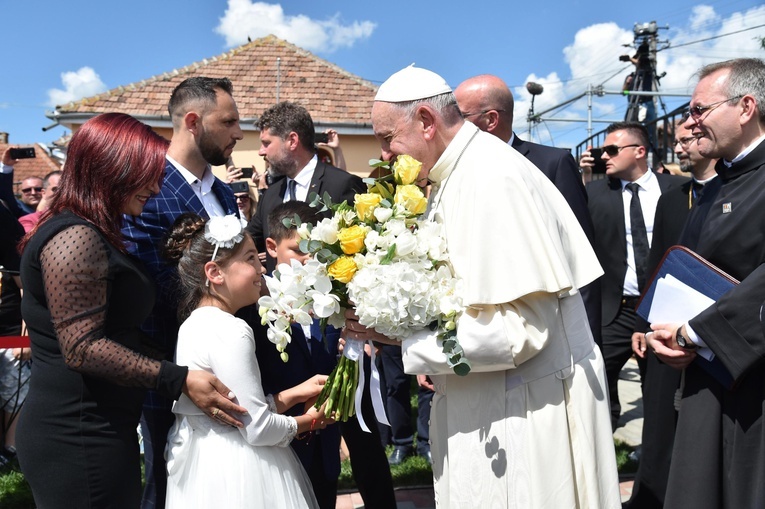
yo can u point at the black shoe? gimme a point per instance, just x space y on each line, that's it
427 456
398 455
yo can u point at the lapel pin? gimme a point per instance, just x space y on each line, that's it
727 208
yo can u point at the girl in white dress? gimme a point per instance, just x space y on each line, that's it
211 464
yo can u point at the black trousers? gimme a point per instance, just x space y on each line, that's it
398 405
617 349
368 460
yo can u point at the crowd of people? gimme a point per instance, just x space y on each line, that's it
141 271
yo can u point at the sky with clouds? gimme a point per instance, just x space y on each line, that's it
62 51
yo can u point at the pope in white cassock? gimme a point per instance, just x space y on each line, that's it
529 426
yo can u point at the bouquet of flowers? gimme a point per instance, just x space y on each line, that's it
380 257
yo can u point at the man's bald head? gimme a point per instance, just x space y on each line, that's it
487 101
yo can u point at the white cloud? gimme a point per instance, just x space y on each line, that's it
244 18
77 84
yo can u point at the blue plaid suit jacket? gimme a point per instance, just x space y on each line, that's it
144 236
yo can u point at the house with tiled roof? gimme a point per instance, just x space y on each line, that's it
263 72
38 166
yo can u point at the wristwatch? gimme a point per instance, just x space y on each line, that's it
684 343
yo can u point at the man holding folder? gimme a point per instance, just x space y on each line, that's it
718 459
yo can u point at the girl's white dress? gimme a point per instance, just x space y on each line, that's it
214 465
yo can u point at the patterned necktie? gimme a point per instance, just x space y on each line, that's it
639 235
291 186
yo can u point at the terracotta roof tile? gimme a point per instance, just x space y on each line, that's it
330 94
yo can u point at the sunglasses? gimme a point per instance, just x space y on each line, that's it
613 150
243 198
28 190
697 111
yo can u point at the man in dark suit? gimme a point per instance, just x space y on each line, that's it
661 381
623 248
205 130
487 102
287 144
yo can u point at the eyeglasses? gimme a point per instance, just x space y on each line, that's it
53 189
28 190
243 197
473 114
613 150
697 111
685 141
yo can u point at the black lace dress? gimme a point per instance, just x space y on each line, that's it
84 301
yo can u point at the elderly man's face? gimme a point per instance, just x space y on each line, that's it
31 191
398 135
716 121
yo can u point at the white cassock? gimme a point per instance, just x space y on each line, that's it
530 426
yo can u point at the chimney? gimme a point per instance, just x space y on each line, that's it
4 138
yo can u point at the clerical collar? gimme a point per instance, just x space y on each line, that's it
705 181
745 152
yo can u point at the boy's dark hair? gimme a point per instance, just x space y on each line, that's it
276 229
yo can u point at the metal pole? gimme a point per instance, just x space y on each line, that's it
589 110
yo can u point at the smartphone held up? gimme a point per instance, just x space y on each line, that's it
22 153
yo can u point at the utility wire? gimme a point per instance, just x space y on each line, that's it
711 38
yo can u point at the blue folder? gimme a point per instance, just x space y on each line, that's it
699 274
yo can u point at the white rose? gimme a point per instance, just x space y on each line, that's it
405 243
325 231
382 214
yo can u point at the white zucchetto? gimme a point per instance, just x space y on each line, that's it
411 84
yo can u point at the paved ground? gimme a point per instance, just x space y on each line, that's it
629 431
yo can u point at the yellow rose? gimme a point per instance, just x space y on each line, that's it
366 204
342 269
412 199
406 169
352 239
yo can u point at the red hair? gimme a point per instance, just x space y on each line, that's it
111 157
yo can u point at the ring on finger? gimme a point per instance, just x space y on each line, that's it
215 412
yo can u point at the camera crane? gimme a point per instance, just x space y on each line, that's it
642 90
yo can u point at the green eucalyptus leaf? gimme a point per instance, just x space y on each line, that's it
377 163
462 368
388 258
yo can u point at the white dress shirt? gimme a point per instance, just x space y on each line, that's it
649 194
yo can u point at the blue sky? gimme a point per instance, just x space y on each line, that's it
59 51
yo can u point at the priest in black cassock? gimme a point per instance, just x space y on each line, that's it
660 381
718 459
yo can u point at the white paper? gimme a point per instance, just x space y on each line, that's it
676 302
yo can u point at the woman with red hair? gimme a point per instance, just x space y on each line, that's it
84 301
